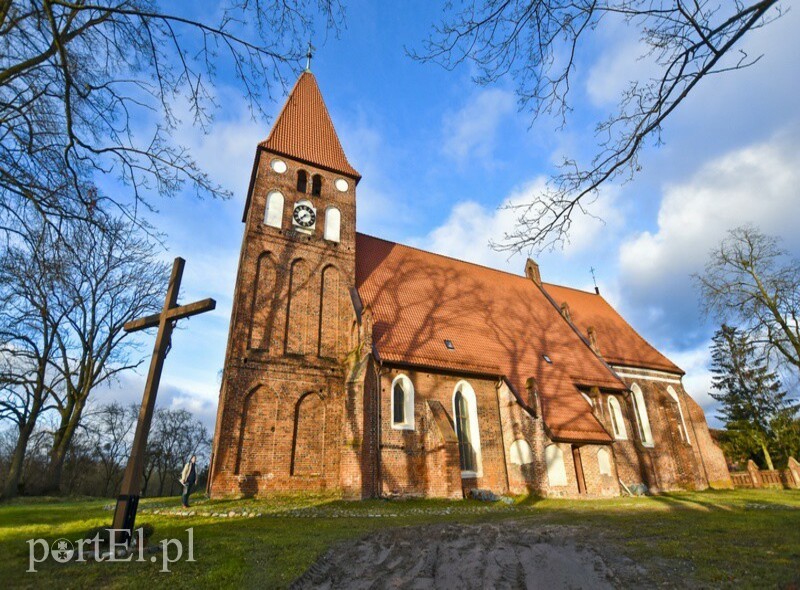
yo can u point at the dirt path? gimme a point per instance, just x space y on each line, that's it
497 555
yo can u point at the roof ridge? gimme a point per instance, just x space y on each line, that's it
634 330
544 283
418 249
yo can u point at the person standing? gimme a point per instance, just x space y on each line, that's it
188 479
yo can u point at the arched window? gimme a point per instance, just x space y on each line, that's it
520 452
273 214
684 431
302 181
589 400
465 410
316 185
642 419
333 221
604 461
556 472
615 411
402 403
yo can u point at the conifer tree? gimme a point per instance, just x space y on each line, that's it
751 395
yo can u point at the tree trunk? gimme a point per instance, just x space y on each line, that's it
61 442
767 457
17 461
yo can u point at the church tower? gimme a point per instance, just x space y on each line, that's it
280 414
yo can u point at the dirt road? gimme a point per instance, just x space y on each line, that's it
457 556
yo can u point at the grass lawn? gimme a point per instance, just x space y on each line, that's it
743 538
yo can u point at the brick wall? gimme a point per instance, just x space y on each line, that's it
284 395
672 462
417 462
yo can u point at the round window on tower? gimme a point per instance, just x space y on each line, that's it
341 185
278 166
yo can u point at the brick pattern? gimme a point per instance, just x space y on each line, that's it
285 393
671 463
418 462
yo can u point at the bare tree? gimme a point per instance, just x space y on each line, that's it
752 281
176 436
110 430
30 276
110 278
536 43
79 79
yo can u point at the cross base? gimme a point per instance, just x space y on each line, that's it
125 517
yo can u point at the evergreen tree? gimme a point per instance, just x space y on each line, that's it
751 395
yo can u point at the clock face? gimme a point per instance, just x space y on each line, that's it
304 216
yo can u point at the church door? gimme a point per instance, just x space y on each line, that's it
465 448
579 476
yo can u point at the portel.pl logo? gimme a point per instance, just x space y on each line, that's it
64 551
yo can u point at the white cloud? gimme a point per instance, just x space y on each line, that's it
227 150
613 71
470 133
757 184
471 226
697 381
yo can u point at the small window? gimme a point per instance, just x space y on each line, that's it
556 471
604 461
316 185
402 403
333 222
615 411
682 427
302 181
273 215
547 359
449 345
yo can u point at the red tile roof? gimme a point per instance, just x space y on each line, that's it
618 342
304 130
500 324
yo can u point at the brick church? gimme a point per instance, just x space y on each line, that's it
369 368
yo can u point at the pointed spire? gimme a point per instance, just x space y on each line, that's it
304 130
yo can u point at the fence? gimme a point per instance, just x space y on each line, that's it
775 478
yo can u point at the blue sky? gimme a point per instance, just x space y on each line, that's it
439 155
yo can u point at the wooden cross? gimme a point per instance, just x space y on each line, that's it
128 500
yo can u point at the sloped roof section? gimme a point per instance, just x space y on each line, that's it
304 130
619 343
499 324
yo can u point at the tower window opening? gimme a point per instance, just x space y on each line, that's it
316 185
302 181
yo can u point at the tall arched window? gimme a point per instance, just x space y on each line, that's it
273 214
333 222
556 472
642 420
684 431
615 411
402 403
302 181
316 185
604 461
465 410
